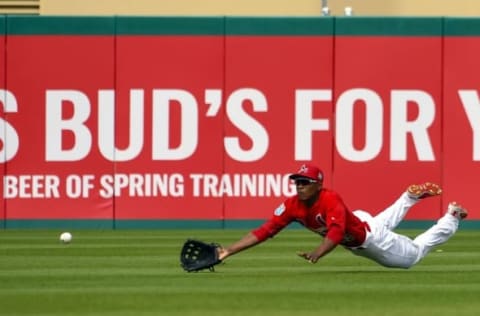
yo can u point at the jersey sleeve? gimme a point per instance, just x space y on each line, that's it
336 219
276 223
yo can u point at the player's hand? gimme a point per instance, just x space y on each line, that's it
309 256
222 253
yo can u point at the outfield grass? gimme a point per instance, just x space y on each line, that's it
137 273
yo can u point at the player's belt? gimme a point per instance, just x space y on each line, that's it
367 230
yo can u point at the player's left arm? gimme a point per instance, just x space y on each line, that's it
247 241
270 228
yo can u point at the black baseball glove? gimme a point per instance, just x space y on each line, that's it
197 255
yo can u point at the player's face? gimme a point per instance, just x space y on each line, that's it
306 188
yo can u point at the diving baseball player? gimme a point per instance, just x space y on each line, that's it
323 211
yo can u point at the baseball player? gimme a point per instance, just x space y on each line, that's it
322 211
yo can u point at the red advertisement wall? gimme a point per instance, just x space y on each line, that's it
461 108
282 80
3 95
181 80
119 120
55 80
388 92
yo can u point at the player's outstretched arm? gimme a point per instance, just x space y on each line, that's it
247 241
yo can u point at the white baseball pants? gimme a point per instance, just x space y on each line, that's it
390 249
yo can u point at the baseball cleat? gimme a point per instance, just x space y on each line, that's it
421 191
457 210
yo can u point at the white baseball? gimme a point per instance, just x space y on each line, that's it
66 237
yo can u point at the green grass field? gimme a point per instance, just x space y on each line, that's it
131 272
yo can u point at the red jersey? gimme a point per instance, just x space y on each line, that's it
329 217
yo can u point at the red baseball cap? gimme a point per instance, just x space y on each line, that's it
308 171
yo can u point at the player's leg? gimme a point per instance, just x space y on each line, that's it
388 248
394 250
442 230
397 251
394 214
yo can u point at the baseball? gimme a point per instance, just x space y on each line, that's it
66 237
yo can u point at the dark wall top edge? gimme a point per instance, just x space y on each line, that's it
305 26
3 26
235 26
56 25
462 26
393 26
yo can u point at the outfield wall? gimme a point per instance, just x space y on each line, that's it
116 122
